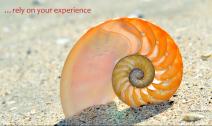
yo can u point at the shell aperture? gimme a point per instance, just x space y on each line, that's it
126 57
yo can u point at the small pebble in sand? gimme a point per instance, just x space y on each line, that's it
136 14
33 111
28 51
37 2
11 102
175 95
6 29
3 102
171 102
62 41
205 57
5 93
192 117
13 108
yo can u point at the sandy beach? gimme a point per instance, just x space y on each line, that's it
33 49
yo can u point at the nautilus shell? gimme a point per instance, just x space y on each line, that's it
130 58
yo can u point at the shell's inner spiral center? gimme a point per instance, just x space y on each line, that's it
135 75
135 69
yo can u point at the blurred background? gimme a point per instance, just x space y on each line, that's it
33 49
